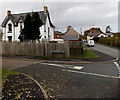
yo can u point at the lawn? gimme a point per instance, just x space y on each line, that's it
89 54
4 73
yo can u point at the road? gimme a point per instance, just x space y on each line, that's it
96 80
75 81
107 50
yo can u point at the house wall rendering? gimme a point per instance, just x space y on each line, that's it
13 23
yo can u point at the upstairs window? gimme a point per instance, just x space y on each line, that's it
44 28
9 28
21 27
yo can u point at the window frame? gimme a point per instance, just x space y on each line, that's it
9 28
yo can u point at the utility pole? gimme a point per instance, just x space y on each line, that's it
81 30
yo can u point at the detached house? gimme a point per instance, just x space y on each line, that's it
71 35
14 23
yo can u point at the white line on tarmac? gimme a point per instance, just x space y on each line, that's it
117 65
100 75
64 66
79 67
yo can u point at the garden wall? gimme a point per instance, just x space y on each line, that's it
34 49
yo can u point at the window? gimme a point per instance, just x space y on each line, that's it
9 28
9 38
48 31
44 28
21 26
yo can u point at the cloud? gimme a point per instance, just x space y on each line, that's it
76 14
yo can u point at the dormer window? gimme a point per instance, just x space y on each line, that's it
9 28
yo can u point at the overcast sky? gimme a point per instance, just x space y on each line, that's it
76 14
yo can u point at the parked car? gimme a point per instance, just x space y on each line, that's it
90 43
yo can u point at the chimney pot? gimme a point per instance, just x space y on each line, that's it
45 9
8 12
69 27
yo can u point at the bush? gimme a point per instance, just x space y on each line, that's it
113 41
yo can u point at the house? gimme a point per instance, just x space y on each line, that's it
96 33
14 23
1 34
71 35
57 35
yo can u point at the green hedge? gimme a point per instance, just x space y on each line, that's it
113 41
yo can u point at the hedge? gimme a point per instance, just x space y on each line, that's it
113 41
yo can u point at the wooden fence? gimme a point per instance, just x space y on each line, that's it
34 49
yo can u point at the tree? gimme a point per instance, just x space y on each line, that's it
31 29
26 31
36 23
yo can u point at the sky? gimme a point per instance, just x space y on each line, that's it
79 15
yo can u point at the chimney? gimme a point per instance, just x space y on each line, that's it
8 12
45 9
69 27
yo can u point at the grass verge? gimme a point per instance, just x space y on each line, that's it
89 54
4 73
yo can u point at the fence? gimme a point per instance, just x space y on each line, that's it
34 49
75 49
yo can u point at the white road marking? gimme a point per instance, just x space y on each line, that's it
78 67
64 66
117 65
79 72
100 75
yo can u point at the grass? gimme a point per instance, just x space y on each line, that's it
4 73
89 54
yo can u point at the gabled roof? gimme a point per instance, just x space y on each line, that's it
70 34
16 17
71 31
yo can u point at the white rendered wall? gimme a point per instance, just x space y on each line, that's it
16 31
102 35
4 33
7 33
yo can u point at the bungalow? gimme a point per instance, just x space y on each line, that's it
71 35
14 23
96 33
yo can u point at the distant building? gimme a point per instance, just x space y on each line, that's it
71 35
96 33
57 35
14 23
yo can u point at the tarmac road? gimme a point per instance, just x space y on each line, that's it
107 50
76 80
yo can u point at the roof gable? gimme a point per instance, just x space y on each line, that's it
71 31
17 17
